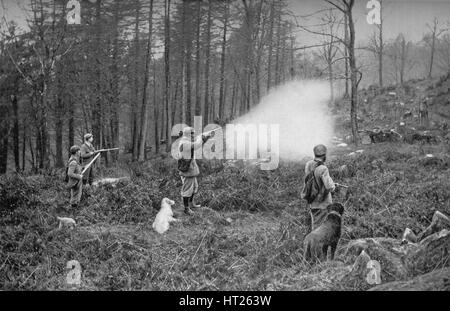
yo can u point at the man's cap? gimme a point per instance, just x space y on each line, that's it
87 136
74 149
320 150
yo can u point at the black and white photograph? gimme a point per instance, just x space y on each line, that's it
240 146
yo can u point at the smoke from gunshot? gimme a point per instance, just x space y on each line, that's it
301 110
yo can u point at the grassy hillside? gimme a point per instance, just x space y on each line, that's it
248 237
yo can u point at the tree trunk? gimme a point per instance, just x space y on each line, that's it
97 110
43 142
167 76
71 137
222 63
136 118
33 156
292 69
269 53
59 133
277 57
16 132
432 57
346 55
198 101
4 137
259 52
207 65
330 78
433 42
353 72
114 121
144 110
155 110
187 67
24 145
380 56
404 55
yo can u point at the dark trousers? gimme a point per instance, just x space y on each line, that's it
75 193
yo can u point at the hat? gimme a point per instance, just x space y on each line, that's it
74 149
87 136
320 150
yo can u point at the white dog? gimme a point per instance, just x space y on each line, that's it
66 221
164 216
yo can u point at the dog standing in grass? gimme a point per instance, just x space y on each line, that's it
164 216
316 243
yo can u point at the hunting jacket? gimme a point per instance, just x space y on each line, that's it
184 149
87 153
74 171
326 184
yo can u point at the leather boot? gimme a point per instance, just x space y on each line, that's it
186 203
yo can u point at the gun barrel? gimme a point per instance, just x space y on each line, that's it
90 163
343 186
111 149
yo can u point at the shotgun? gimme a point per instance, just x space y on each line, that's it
103 150
90 163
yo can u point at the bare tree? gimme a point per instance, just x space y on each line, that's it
330 45
135 108
144 109
168 106
443 53
207 64
430 41
222 91
399 53
376 45
346 8
198 106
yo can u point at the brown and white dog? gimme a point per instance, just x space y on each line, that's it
164 216
316 243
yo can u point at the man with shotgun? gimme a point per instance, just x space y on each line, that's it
88 153
187 166
318 186
74 175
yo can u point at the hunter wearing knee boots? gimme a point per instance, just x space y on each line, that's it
189 171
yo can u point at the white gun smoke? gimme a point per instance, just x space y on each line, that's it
300 108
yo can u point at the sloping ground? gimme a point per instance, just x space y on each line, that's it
432 281
250 235
388 106
391 187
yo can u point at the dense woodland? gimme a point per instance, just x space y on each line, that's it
134 68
